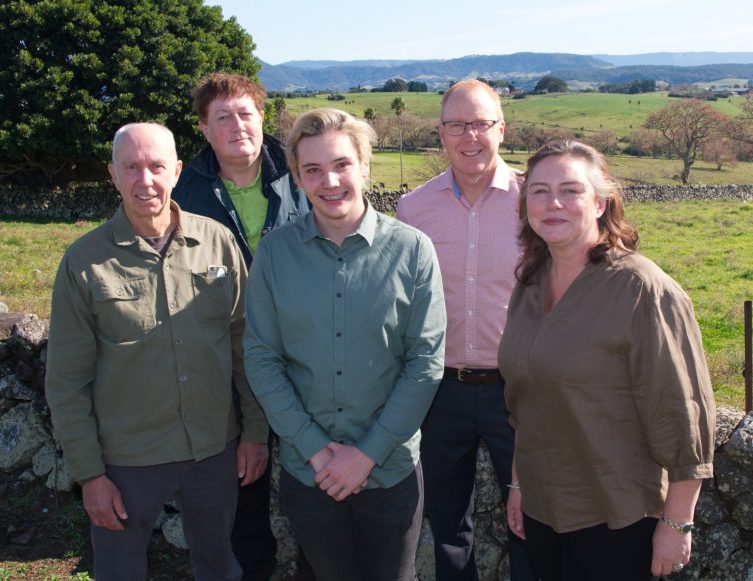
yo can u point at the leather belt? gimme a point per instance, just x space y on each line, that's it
466 375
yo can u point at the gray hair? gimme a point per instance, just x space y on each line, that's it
123 131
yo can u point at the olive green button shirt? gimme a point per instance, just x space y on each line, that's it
143 350
346 343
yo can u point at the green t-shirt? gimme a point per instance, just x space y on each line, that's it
251 206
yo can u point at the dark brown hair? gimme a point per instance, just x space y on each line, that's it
614 229
225 85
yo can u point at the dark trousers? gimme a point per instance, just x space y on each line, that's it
254 544
461 416
206 493
591 554
369 536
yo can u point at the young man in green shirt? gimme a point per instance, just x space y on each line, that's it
346 372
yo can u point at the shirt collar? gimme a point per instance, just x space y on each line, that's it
366 229
125 236
500 179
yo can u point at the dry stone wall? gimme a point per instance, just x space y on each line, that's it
99 201
723 541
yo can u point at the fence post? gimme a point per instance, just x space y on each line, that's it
748 370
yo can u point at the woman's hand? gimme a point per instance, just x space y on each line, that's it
514 513
671 548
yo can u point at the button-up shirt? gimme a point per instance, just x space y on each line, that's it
144 348
477 246
345 343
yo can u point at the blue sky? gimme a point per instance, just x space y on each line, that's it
423 29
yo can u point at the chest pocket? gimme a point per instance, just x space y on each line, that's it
213 296
124 308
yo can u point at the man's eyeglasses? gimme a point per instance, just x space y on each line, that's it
457 128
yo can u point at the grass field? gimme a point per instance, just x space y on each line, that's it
706 246
385 168
587 112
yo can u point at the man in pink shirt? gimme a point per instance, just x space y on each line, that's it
470 213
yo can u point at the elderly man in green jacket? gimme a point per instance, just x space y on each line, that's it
144 350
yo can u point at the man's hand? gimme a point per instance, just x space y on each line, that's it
321 459
345 473
251 460
103 503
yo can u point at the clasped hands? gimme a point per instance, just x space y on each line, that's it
341 470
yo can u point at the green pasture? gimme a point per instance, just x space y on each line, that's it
417 168
705 245
586 112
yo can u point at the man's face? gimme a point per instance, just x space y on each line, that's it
333 177
233 127
472 154
145 171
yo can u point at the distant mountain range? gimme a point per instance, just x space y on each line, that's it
524 69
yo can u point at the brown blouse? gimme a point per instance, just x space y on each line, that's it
609 394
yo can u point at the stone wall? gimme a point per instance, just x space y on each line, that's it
98 201
722 547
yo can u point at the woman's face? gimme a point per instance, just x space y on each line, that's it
562 205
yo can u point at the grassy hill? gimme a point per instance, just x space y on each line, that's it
577 111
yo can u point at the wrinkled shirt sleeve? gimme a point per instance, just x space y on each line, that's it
423 367
671 383
255 426
71 371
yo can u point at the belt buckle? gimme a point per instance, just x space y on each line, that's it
460 375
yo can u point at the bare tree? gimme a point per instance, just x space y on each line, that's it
686 125
721 151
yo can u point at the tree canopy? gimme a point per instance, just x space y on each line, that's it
73 71
550 84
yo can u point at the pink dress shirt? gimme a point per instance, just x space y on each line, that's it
478 251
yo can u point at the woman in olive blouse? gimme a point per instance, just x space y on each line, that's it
606 384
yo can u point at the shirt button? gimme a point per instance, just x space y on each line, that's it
173 304
473 245
470 313
183 378
338 334
168 267
339 259
188 417
339 372
473 213
179 341
471 279
339 409
119 292
339 295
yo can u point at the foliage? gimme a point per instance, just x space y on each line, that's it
686 125
630 88
73 71
395 85
417 87
550 84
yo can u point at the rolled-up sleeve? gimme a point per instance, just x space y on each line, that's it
419 379
671 383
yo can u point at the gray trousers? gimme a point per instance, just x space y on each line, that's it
206 492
